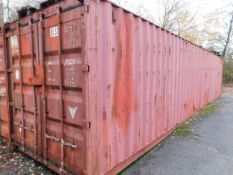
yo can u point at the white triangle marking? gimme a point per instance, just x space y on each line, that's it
72 111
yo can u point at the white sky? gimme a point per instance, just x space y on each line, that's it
203 6
152 6
209 5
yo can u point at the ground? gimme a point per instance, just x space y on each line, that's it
202 146
15 163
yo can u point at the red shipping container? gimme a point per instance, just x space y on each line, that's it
87 87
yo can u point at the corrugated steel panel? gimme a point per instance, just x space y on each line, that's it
4 112
144 81
47 86
94 87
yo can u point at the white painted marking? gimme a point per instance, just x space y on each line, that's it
14 45
70 62
54 31
72 111
2 90
17 74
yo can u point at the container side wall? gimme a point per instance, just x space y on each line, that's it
147 81
93 98
4 114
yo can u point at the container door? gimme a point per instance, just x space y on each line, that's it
63 91
25 79
4 115
47 88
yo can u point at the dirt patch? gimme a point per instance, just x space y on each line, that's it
15 163
227 89
208 110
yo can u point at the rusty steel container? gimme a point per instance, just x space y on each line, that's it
87 87
4 110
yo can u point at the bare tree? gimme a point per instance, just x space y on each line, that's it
8 10
1 13
229 36
220 38
11 7
170 11
6 13
176 17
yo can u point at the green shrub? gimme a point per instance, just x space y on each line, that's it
228 72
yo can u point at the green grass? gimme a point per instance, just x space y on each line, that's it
184 130
210 109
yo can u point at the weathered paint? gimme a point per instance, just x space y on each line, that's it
94 87
144 81
4 113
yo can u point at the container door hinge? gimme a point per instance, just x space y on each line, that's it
87 8
10 70
87 124
12 104
85 68
113 17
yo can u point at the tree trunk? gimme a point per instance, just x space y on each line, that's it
1 13
228 38
8 11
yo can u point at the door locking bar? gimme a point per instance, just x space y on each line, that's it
25 128
52 138
29 129
68 144
63 143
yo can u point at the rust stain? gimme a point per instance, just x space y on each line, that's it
124 103
159 106
206 97
105 132
189 106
